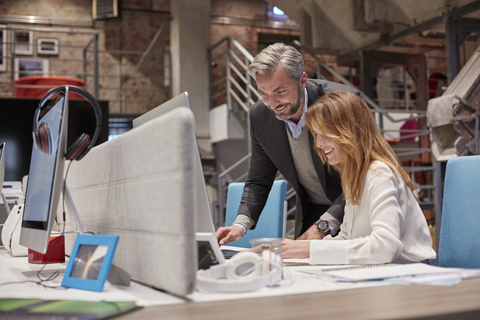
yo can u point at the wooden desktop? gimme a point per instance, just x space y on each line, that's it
459 301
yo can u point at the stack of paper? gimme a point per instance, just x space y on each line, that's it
401 273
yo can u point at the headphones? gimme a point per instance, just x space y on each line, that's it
245 271
42 137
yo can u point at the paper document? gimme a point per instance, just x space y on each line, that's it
395 271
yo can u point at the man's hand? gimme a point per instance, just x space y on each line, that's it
294 249
312 234
228 234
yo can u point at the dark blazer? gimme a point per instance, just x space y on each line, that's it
271 152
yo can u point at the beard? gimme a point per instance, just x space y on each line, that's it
293 107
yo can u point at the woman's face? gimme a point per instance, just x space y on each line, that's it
332 150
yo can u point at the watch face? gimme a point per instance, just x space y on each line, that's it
322 226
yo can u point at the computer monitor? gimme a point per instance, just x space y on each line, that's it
45 179
204 219
2 164
2 178
16 118
182 100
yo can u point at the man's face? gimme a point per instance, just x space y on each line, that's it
282 95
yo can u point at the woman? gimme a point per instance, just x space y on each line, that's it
383 221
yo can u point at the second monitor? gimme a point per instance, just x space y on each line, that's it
204 221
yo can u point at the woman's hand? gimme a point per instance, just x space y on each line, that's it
295 249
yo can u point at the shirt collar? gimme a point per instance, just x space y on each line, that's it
294 128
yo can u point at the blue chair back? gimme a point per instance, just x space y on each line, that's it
459 243
272 220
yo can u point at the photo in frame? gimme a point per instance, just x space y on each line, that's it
47 46
26 67
23 42
90 262
3 47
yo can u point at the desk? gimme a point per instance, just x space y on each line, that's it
460 301
344 301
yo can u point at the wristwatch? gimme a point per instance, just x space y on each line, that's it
322 226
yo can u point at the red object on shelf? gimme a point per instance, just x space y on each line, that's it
37 86
55 249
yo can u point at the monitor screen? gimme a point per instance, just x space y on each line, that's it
45 179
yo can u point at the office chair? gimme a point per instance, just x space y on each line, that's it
459 243
272 222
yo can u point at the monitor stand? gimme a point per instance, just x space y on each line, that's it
72 210
117 275
7 208
7 213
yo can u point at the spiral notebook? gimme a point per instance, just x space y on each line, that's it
390 270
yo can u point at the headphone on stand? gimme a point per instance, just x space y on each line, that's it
245 271
42 137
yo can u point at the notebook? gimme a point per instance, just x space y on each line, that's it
391 270
62 309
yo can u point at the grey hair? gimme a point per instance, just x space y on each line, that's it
269 58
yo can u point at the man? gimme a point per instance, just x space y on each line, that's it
281 142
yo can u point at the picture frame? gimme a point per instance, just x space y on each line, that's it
90 262
3 47
48 46
23 42
26 67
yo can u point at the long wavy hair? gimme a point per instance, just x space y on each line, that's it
346 119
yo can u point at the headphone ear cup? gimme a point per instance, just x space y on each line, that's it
244 265
42 138
77 150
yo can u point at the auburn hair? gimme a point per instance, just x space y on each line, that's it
345 118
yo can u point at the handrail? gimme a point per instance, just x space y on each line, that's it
241 49
235 61
221 188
